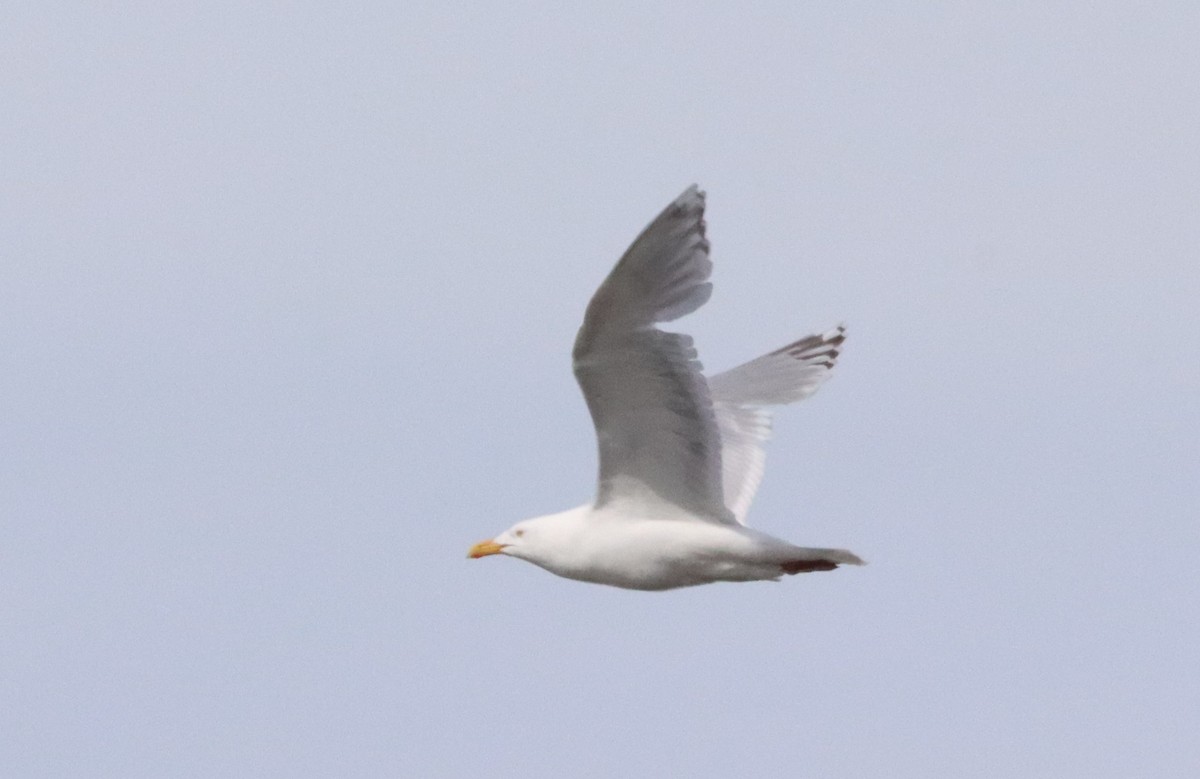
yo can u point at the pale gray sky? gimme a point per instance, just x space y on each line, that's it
286 299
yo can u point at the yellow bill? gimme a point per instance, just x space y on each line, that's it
483 549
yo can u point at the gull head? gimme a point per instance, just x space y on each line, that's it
520 540
540 540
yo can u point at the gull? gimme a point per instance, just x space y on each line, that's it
681 455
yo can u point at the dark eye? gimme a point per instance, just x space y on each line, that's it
518 533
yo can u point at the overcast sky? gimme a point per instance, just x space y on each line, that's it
287 294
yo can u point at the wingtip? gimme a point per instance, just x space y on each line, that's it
809 348
693 197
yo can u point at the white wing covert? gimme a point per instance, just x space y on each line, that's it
655 424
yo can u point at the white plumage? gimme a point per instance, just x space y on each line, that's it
680 456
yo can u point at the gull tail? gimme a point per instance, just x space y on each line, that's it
808 560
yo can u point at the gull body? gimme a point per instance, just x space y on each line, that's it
650 551
680 454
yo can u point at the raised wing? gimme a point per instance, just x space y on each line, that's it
655 424
740 396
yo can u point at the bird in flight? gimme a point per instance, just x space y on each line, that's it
681 455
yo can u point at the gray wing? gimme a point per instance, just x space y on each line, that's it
655 424
741 396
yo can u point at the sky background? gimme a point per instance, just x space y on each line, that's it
287 294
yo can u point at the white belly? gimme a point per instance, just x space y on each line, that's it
663 554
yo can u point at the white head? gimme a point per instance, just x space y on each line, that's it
546 541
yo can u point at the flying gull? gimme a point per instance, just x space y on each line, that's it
681 455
